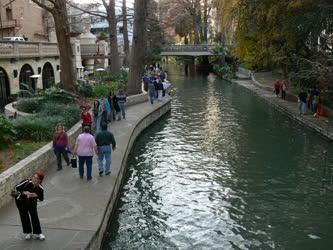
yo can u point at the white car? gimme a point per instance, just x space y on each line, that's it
13 38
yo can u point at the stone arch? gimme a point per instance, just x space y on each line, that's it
26 82
4 88
47 75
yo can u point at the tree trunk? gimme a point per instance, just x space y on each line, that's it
114 55
205 22
138 47
125 34
67 75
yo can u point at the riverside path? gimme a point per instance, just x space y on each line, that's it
74 210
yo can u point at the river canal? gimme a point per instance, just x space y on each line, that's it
223 171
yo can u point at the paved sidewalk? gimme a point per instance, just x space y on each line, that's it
73 208
322 125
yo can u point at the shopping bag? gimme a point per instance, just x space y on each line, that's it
74 162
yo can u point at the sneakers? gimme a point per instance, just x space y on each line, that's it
100 173
108 173
28 236
41 237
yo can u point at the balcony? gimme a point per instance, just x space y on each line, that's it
9 24
17 50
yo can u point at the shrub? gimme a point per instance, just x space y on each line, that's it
41 126
224 70
37 128
29 105
107 88
122 76
7 132
58 95
86 89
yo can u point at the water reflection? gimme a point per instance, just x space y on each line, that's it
223 171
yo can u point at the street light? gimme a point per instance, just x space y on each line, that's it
33 78
100 70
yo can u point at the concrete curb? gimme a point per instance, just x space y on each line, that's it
324 129
145 122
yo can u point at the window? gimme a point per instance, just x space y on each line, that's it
9 14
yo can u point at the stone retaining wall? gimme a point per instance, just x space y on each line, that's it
96 241
42 158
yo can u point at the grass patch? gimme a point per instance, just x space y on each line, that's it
17 152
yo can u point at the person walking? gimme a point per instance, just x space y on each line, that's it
85 146
121 99
109 97
28 192
95 112
302 98
151 92
60 145
107 107
103 141
277 88
283 90
116 107
86 118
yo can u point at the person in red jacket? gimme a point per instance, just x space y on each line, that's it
86 118
60 145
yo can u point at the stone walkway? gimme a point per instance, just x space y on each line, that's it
263 87
73 209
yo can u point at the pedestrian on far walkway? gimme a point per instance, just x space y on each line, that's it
60 145
121 99
103 140
277 88
302 96
283 90
27 193
84 147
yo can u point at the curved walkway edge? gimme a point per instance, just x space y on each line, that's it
323 126
76 212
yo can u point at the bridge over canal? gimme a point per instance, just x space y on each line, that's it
189 53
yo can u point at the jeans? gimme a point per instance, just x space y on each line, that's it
152 96
283 94
88 161
104 152
98 124
160 95
122 109
303 108
58 152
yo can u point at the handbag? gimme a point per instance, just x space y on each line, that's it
14 193
74 162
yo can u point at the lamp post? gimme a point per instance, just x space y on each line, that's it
34 81
100 70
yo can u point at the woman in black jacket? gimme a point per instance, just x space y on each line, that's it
29 191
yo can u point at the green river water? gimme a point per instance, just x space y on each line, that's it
223 171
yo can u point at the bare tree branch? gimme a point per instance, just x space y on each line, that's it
44 6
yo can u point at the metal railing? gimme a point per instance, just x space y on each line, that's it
188 48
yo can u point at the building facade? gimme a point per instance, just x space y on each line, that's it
23 18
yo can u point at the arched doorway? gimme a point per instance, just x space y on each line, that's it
26 82
48 75
4 88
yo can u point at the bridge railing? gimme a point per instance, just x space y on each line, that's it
188 48
17 49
